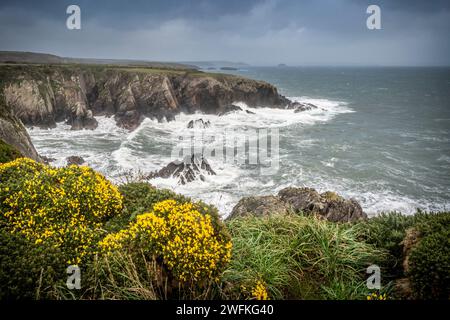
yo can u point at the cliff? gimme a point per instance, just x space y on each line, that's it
14 133
41 95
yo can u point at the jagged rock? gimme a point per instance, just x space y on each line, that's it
75 160
259 206
301 106
229 109
305 107
249 112
192 167
328 204
47 160
198 124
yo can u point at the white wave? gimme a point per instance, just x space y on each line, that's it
112 151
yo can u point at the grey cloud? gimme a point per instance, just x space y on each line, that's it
325 32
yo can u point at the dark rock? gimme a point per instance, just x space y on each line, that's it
328 204
76 160
305 107
192 167
47 160
259 206
231 108
249 112
198 124
301 106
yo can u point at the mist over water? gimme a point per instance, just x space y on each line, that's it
380 135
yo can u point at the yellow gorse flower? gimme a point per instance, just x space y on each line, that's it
259 292
376 296
64 207
181 236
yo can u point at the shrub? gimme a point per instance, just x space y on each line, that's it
429 260
298 257
65 207
7 152
387 231
180 238
140 197
429 257
29 271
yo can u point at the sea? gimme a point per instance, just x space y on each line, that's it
380 135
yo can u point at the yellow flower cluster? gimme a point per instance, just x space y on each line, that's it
65 207
255 291
259 292
182 237
376 296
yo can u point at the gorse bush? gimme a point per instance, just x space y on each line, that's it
140 197
180 237
65 207
429 260
28 270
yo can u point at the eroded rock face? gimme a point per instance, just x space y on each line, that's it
328 205
259 206
14 133
42 95
193 167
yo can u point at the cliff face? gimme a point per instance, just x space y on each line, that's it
44 95
14 133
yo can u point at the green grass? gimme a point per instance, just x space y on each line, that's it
299 257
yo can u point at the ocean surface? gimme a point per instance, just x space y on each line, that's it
380 135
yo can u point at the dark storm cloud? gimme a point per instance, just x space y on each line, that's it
307 32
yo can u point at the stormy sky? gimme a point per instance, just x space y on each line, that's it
259 32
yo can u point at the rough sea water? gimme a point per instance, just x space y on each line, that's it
380 135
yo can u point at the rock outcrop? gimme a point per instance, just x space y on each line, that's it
14 133
198 124
328 205
259 206
41 95
193 167
301 106
75 160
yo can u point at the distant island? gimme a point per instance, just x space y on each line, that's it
229 68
